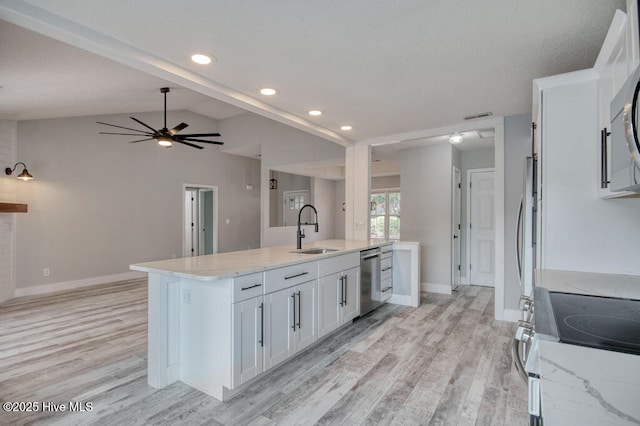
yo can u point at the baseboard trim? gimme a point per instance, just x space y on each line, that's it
512 315
435 288
71 285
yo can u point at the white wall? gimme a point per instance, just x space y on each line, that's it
280 146
8 193
99 203
426 209
339 214
385 182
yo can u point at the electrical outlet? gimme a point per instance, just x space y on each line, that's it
45 272
186 296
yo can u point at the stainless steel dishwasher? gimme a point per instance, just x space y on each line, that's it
369 280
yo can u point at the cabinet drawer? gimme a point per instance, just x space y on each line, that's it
386 251
386 290
385 265
340 263
247 286
281 278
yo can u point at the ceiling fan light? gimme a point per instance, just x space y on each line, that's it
165 141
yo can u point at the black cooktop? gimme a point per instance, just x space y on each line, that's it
597 322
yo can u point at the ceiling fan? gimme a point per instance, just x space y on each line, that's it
164 136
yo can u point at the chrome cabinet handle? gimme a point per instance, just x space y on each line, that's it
387 269
261 341
341 290
515 354
518 227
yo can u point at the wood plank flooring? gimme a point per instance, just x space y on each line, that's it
446 362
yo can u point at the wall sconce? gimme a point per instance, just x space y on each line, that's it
273 182
25 175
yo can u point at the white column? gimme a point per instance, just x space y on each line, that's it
357 187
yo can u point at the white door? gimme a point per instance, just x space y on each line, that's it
456 268
328 304
351 301
247 340
278 327
481 228
292 203
306 325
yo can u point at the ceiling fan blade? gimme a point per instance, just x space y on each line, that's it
141 140
190 144
199 140
122 127
145 125
125 134
195 135
178 128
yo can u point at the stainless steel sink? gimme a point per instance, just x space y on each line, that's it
314 250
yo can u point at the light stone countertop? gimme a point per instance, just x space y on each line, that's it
224 265
587 386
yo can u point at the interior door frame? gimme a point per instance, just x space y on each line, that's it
212 188
468 228
456 196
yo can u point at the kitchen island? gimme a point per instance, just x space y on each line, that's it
585 385
217 322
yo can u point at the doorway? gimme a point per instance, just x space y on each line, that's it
481 227
456 267
200 220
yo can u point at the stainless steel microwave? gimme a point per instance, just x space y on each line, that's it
625 142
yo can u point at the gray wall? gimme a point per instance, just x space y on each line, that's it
282 145
99 203
517 146
339 213
472 159
426 208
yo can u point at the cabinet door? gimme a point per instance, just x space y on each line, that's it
247 340
278 324
351 305
328 304
306 314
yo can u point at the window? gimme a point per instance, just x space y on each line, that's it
384 214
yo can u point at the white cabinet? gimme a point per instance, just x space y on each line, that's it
618 59
386 273
339 300
290 322
248 340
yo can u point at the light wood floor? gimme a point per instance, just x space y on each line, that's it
446 362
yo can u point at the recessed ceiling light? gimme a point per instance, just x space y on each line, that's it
456 138
346 128
315 112
201 58
267 91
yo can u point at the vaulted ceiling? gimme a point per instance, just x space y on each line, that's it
383 67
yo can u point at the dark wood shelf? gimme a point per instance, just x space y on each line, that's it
12 208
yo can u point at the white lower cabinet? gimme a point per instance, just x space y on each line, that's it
290 322
248 340
339 300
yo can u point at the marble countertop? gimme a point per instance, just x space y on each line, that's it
223 265
597 284
581 385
